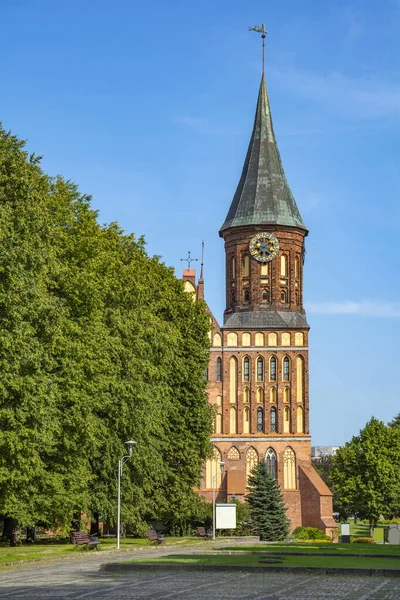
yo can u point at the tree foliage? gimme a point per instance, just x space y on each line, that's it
98 344
267 506
366 473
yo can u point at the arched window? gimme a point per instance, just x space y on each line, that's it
232 339
300 378
219 401
272 395
232 379
272 368
265 295
284 263
299 338
273 419
286 368
213 469
246 296
232 420
296 267
251 460
246 420
219 368
217 339
246 264
260 369
260 419
259 339
264 268
260 395
283 296
218 423
270 460
246 339
233 453
286 339
246 369
289 469
286 394
233 267
246 395
300 420
286 420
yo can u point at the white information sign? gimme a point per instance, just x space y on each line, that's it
345 528
225 516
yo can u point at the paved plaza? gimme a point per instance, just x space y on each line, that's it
81 579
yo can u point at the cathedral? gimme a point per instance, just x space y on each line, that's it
258 369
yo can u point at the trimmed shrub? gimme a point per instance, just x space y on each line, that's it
362 540
310 533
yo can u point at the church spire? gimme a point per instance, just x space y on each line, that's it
263 195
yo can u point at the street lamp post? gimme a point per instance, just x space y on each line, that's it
214 482
121 462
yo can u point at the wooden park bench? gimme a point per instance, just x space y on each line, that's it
206 535
155 537
82 538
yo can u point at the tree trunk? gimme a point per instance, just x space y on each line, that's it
15 536
30 535
371 529
94 525
7 527
76 522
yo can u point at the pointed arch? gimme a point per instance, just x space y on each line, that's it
286 368
259 339
260 395
218 423
246 420
213 469
260 419
284 297
272 419
232 420
271 462
217 340
251 460
300 420
286 395
219 401
246 339
246 395
286 338
232 339
260 368
299 378
299 338
286 420
246 265
219 368
246 368
265 295
272 339
233 453
272 395
232 379
284 265
272 368
289 469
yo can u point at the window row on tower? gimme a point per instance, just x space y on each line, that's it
213 476
260 339
265 268
262 426
261 371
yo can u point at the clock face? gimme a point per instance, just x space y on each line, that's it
264 247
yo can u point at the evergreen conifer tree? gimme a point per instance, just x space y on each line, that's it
267 506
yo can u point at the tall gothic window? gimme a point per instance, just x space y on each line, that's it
251 460
213 469
270 459
233 267
260 418
265 295
246 420
286 420
273 419
283 296
260 369
219 368
246 296
272 368
246 369
286 368
289 469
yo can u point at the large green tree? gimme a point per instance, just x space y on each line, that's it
366 474
98 344
267 506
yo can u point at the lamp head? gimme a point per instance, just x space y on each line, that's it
130 444
222 467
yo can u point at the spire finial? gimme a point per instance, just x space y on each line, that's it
189 259
202 259
263 32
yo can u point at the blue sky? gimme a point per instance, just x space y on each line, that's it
149 108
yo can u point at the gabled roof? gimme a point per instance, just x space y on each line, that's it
263 195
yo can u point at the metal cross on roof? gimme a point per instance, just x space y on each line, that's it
189 259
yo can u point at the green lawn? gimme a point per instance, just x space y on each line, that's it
232 560
53 548
320 548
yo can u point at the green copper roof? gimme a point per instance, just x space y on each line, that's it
263 195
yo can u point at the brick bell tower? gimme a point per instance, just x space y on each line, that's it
258 370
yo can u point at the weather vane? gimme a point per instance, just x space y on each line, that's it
263 32
189 259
